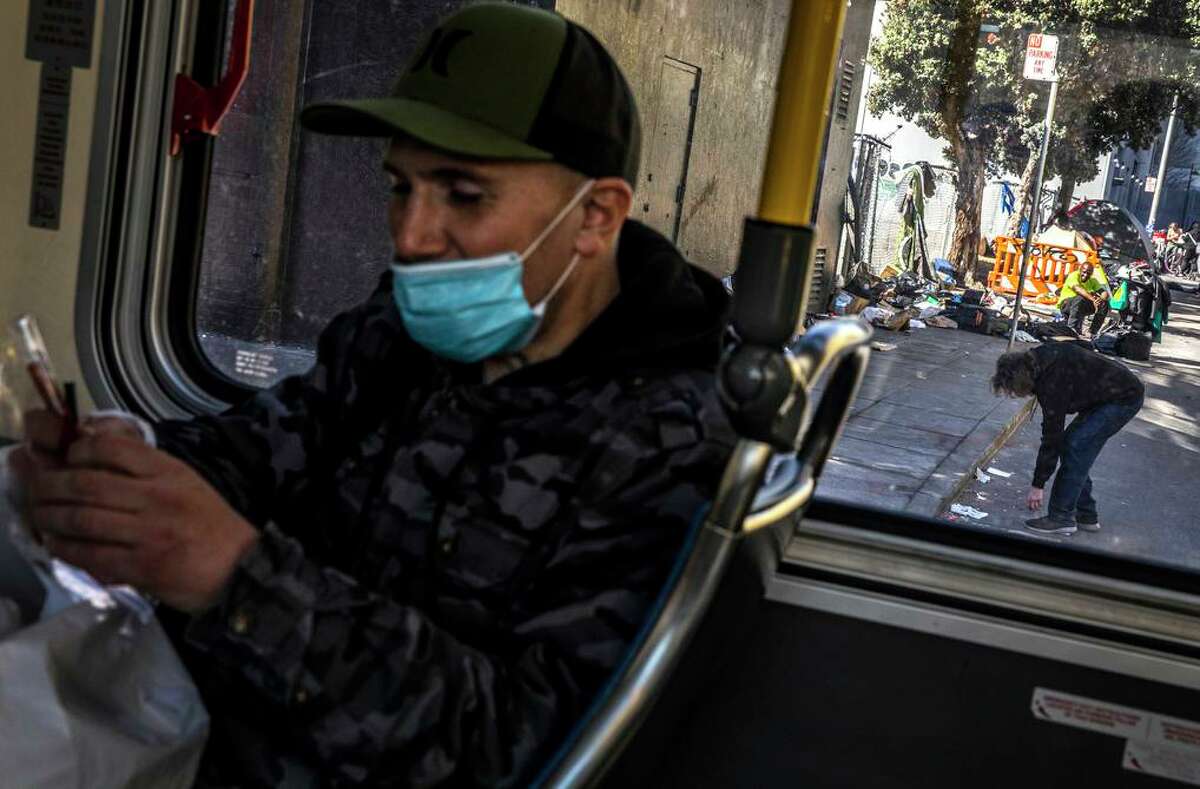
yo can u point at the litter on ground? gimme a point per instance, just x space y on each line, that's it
970 512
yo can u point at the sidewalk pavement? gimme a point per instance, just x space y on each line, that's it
924 419
1145 480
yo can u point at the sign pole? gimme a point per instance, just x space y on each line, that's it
1162 165
1034 210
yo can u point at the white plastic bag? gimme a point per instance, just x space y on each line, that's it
92 693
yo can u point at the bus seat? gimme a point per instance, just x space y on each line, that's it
720 574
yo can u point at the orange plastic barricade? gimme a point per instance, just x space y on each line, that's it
1049 265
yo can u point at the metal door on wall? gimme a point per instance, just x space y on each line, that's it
670 146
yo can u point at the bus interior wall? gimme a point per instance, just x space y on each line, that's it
39 266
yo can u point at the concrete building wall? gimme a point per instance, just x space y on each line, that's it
735 46
839 149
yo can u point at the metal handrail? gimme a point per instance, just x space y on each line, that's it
838 348
785 206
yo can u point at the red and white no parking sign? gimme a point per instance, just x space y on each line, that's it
1041 52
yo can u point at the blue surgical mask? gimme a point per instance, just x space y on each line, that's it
469 310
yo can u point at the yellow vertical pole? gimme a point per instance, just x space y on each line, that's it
801 106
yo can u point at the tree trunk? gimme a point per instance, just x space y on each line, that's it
1024 195
964 244
969 156
1066 193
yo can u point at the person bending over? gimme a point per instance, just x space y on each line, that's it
1067 379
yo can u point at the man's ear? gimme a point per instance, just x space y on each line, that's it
604 212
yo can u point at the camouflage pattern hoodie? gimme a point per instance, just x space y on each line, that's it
448 570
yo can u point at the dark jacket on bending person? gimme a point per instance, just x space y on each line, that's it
1071 380
449 570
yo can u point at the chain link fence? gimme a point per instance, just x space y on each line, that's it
878 171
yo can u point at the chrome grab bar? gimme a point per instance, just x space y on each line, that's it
836 350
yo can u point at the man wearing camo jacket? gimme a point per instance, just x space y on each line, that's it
415 564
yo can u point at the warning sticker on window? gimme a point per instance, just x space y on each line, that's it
255 364
1177 764
1098 716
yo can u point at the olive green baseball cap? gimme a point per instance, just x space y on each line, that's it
503 81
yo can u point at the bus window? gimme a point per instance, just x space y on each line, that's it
933 190
1049 156
294 228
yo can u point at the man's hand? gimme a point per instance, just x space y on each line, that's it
44 430
131 514
1034 500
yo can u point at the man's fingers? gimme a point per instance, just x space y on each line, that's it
44 430
111 426
26 463
22 462
86 523
117 453
89 487
106 562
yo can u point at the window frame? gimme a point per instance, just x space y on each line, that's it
1107 612
135 309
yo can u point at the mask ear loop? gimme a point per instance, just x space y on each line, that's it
541 305
537 242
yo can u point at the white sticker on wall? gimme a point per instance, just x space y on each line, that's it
1163 761
1090 714
1175 732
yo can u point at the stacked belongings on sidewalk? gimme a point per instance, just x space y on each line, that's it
1139 308
919 298
900 301
1141 301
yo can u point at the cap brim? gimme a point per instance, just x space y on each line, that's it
431 125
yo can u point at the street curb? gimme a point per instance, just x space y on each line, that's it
966 478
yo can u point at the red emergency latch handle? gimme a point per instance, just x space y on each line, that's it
198 110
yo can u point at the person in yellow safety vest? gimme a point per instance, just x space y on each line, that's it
1085 292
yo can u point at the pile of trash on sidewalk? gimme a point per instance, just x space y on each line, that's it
903 301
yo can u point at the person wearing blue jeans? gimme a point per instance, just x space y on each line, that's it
1068 379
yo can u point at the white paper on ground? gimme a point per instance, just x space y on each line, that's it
970 512
984 478
995 472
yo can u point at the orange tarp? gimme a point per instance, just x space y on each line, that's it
1049 265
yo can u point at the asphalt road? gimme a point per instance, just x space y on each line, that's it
1147 478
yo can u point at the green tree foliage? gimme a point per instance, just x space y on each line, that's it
1120 62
